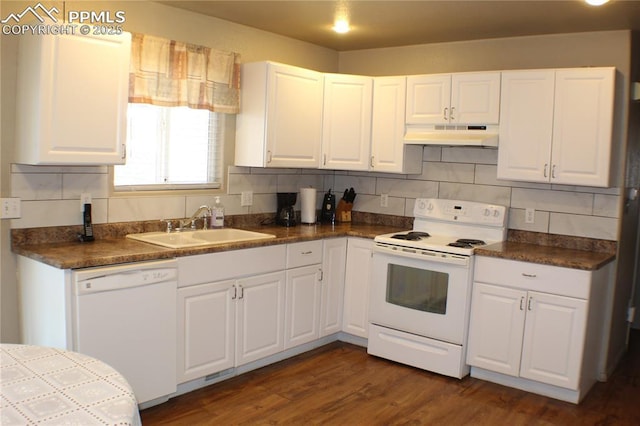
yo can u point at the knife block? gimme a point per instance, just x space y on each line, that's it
343 211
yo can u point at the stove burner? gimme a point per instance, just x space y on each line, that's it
466 243
471 242
411 236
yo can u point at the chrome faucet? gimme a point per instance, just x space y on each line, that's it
192 220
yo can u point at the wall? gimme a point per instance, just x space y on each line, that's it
50 194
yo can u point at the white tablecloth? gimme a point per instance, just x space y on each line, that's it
41 385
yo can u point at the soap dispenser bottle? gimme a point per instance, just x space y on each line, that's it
217 217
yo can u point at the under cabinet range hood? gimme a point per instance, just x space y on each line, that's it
447 135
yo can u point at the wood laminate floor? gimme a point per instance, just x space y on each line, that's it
339 384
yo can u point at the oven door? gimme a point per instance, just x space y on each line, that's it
425 297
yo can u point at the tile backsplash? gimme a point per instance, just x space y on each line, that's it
50 195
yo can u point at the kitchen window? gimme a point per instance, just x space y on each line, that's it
172 148
182 98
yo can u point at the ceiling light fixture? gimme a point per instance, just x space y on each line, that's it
341 26
341 17
596 2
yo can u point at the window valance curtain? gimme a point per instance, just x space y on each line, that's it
171 73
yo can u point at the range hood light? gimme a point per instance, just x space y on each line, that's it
461 136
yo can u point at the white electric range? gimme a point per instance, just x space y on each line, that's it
421 283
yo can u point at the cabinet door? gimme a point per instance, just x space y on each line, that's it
294 117
302 306
334 260
554 337
206 329
582 126
388 151
259 317
72 99
346 126
356 287
496 327
428 99
475 98
526 125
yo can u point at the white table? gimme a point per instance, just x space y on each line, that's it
53 386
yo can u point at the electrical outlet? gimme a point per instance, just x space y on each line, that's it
10 208
246 198
384 200
85 198
529 215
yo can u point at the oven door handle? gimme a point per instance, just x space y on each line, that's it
425 255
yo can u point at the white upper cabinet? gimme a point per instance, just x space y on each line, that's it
346 125
466 98
556 126
280 122
388 152
582 126
72 98
526 125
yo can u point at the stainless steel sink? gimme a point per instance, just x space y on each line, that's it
200 238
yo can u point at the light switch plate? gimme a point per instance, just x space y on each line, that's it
529 215
384 200
246 199
10 208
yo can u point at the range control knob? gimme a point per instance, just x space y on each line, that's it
422 205
487 212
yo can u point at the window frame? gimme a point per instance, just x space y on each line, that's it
226 136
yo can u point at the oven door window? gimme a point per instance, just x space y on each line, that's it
418 289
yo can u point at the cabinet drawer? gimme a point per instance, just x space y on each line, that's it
303 254
532 276
205 268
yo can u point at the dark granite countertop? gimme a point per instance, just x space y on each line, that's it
548 255
58 246
114 250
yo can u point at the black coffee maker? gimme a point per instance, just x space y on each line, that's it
285 214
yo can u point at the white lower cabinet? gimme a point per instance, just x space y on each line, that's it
334 260
259 317
536 325
230 309
302 318
206 319
242 306
527 334
356 287
554 336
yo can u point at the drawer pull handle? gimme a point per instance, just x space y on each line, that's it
306 252
529 275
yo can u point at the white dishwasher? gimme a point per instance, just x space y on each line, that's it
126 317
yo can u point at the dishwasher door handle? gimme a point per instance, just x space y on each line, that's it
128 279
